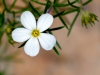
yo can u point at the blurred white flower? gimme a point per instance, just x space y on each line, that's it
33 33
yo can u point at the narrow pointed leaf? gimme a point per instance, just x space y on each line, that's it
58 45
87 2
70 11
4 3
59 14
57 28
38 2
13 18
22 44
47 6
2 18
34 9
73 23
72 4
55 1
1 34
12 4
64 23
55 49
64 5
22 10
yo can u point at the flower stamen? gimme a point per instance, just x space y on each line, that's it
35 33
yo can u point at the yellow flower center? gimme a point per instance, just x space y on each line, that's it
8 30
35 33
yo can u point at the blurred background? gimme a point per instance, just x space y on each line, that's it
80 54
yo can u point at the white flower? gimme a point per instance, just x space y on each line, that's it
33 33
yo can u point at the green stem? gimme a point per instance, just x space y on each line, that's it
72 4
34 9
38 2
63 5
73 22
68 12
87 2
61 18
4 3
12 5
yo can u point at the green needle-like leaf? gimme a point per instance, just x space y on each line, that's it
1 34
70 11
59 14
58 45
72 4
12 5
55 49
57 28
73 22
87 2
22 44
64 5
34 9
4 3
22 10
64 23
47 6
2 18
55 1
13 17
38 2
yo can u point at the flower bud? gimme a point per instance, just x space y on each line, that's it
88 18
8 30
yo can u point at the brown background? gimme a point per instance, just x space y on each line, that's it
80 54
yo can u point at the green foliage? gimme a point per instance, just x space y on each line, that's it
34 9
47 6
64 23
73 22
22 44
55 49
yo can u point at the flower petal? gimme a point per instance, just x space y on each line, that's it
28 20
32 47
21 34
44 22
47 41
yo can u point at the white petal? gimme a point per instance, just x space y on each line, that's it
32 47
28 20
21 34
47 41
44 22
